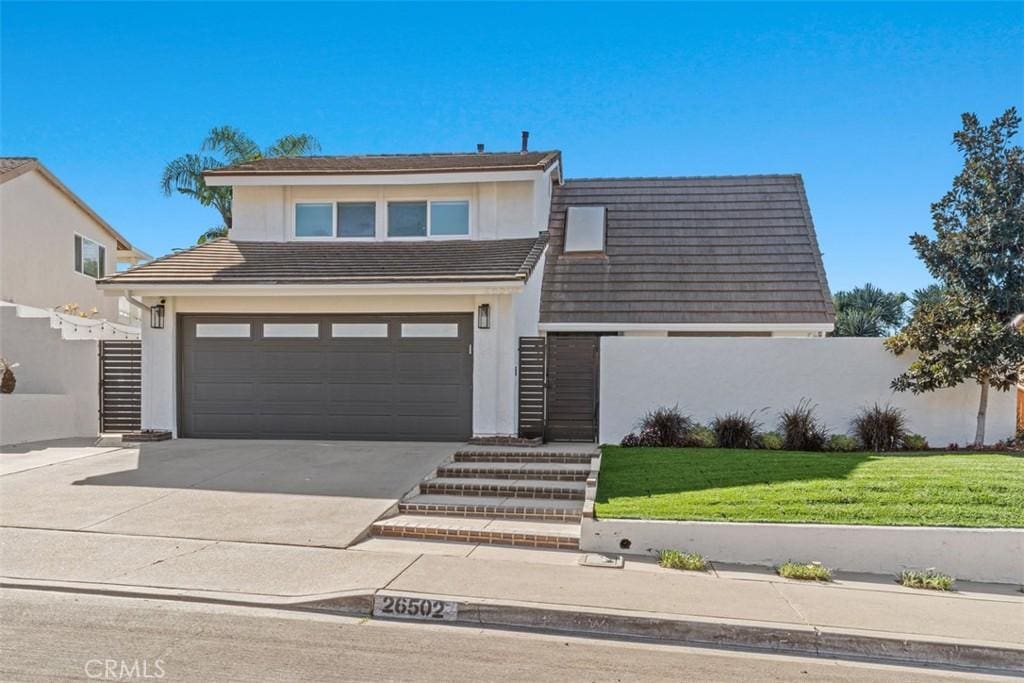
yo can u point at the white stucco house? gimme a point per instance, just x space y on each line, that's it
391 296
53 248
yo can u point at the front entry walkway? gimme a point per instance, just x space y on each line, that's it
530 497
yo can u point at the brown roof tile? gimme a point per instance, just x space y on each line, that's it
730 249
393 163
225 262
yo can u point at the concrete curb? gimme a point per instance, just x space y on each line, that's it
794 639
778 638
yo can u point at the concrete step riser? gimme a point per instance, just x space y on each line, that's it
511 491
563 458
541 475
477 536
533 514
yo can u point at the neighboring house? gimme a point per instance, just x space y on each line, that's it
385 297
53 248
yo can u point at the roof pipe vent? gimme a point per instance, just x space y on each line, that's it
479 148
526 142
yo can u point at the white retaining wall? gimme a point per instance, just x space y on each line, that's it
995 555
709 376
57 390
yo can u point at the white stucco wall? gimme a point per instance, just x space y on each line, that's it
57 391
494 349
498 210
38 223
709 376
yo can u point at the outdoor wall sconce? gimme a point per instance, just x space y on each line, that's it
156 316
483 316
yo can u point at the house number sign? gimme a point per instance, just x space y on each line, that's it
396 606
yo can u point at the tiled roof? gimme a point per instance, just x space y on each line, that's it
393 163
11 167
239 263
737 249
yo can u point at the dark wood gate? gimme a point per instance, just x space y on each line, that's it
120 386
531 387
572 387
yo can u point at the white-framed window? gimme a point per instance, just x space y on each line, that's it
428 218
222 331
291 330
314 219
357 219
90 257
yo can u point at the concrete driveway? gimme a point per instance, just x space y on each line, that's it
312 493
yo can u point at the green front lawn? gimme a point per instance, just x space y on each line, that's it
919 489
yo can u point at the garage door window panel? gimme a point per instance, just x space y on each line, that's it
291 330
223 331
443 330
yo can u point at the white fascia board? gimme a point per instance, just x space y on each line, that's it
685 327
361 289
374 178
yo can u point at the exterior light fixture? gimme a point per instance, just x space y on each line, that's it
483 316
156 316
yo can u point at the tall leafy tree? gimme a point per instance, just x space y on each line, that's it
926 296
225 146
868 311
977 255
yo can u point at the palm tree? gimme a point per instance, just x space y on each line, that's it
225 146
868 311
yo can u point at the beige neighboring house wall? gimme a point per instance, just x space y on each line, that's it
39 218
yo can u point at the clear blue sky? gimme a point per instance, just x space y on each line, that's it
861 99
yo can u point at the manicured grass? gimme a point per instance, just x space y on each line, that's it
916 489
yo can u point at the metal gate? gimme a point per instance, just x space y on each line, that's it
531 387
572 387
120 386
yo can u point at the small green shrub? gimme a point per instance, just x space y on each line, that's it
772 441
662 428
842 443
915 442
677 559
880 428
701 437
929 578
736 430
811 571
801 429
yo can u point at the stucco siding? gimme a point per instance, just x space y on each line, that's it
711 376
38 223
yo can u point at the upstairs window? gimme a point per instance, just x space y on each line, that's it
357 219
90 257
584 229
314 220
428 219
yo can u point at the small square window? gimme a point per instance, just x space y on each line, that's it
357 219
90 257
314 220
449 218
407 219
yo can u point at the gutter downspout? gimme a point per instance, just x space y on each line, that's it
138 304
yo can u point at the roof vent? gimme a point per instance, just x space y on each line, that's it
479 148
526 142
584 229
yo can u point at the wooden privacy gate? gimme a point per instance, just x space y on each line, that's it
120 386
558 387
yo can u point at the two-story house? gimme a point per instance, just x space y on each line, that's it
385 297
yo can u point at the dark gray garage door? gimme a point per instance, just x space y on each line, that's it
401 377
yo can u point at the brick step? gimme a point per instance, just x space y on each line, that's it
547 471
511 488
520 533
524 456
493 506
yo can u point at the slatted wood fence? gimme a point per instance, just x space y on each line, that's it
120 386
